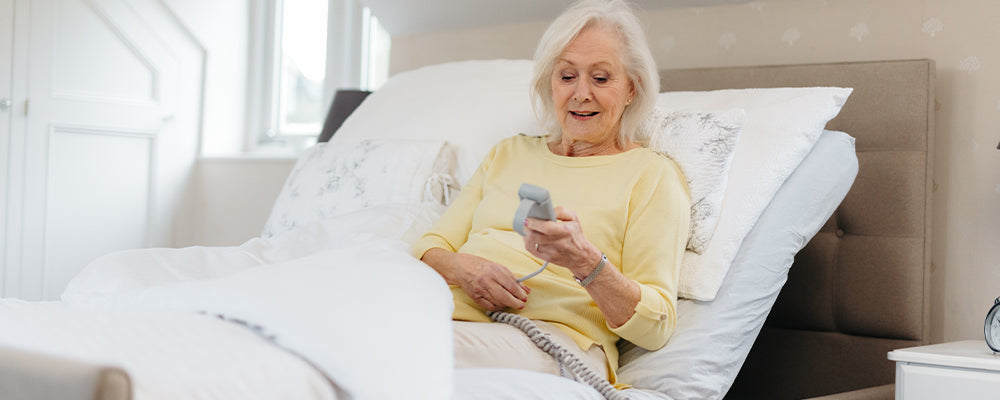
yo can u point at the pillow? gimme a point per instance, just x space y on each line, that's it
472 105
711 339
334 179
701 143
781 127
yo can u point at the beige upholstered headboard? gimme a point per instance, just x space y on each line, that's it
861 286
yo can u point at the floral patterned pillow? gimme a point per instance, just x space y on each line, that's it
331 179
702 144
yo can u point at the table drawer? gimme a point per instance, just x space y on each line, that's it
920 381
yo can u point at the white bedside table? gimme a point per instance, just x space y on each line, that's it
956 370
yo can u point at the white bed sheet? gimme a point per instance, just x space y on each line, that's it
515 384
167 355
345 294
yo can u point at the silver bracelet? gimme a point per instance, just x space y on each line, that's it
593 274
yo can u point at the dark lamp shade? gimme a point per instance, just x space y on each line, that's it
344 103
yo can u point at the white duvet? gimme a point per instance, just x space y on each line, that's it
227 322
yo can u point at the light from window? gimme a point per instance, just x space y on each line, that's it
302 58
375 47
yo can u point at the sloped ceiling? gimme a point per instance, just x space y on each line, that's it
409 17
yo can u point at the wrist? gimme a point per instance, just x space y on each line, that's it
445 263
593 273
587 263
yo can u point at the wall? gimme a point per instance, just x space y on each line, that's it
959 35
222 28
234 198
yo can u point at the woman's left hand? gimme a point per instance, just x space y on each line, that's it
561 242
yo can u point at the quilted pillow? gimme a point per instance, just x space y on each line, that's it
701 143
780 128
334 179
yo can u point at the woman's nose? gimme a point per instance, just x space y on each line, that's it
582 93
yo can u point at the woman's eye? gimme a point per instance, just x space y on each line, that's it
600 79
567 78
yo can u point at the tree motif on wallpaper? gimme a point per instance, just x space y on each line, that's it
668 43
727 40
859 31
791 36
932 26
970 64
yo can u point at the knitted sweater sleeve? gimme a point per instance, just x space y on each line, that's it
655 239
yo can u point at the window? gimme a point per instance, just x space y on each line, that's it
310 49
375 48
301 68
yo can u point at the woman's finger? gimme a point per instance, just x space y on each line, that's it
502 297
492 286
566 222
565 214
560 242
486 304
515 288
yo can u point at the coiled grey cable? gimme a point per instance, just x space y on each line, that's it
582 372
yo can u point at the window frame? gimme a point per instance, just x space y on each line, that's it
345 55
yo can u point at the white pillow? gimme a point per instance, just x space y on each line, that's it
712 338
781 127
472 105
334 179
702 144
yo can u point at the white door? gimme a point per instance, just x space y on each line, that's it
6 103
113 120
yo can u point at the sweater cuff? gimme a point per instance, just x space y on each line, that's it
651 324
421 246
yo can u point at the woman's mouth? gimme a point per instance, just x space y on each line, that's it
583 114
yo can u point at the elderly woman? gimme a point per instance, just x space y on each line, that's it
622 216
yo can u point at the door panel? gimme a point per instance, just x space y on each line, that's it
120 73
88 214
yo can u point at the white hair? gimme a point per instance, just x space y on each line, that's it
638 61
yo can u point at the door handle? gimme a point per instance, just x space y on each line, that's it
5 104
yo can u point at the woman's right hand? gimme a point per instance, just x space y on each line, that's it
492 286
489 284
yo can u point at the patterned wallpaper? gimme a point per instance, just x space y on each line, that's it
959 35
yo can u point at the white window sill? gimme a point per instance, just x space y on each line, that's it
276 151
248 158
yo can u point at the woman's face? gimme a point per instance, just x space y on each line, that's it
590 87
